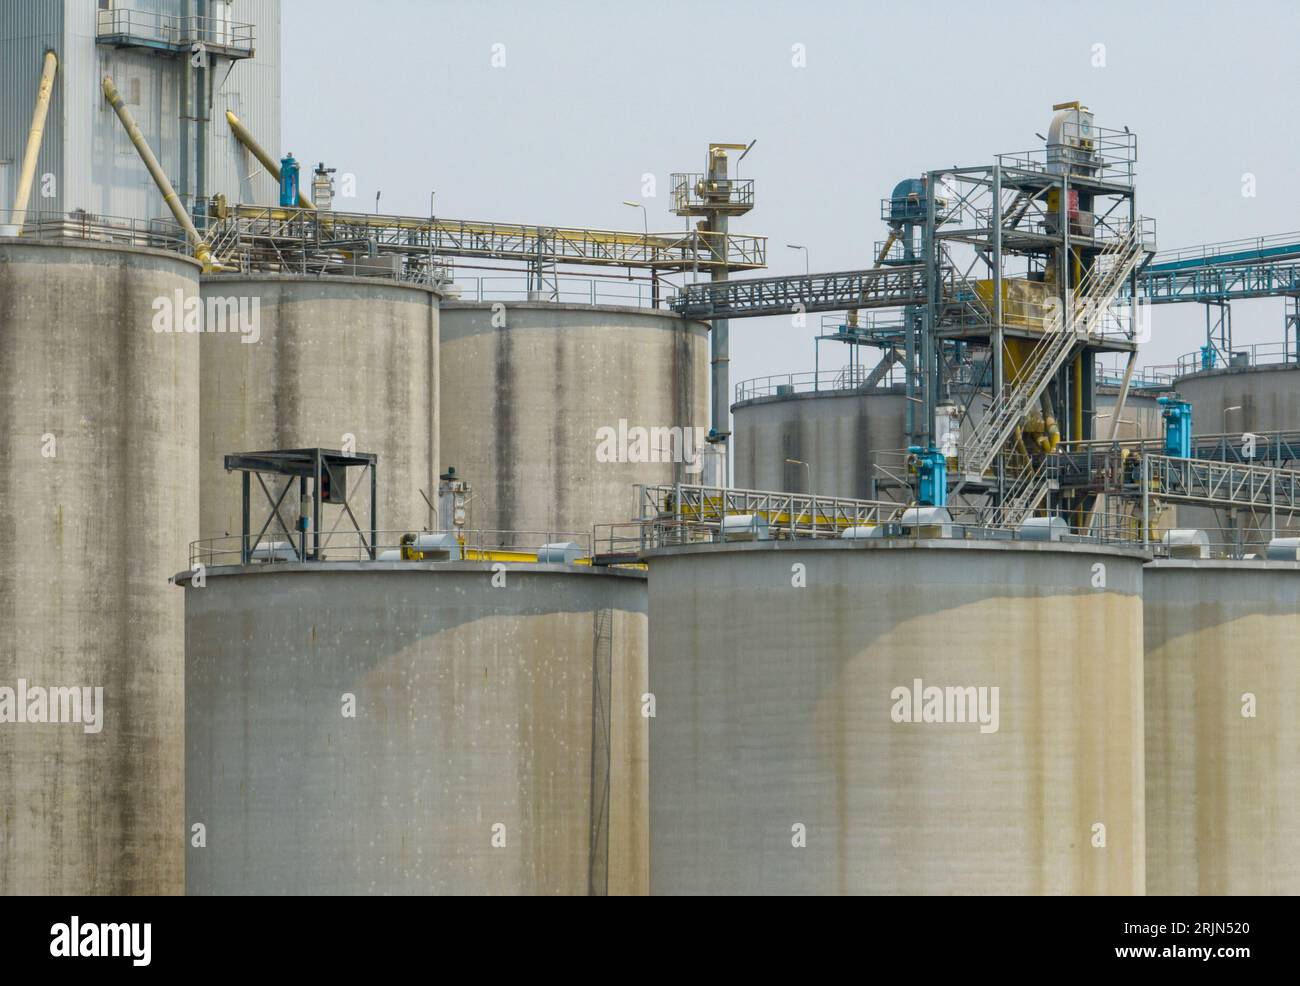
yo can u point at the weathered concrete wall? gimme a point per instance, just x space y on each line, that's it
334 357
1223 787
774 710
1269 398
1141 417
838 434
100 491
474 706
522 405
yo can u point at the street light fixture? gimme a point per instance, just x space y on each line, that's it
645 231
645 221
1234 407
797 246
808 468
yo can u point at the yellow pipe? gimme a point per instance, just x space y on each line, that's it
173 202
889 241
28 172
246 138
1077 424
1051 436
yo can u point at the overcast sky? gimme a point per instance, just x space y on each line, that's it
592 95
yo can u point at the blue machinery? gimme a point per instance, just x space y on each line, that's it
932 473
288 182
1178 427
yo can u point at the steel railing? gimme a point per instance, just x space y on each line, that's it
159 234
1252 354
153 29
847 378
354 546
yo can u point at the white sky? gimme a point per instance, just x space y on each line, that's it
402 93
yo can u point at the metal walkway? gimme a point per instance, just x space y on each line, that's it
1262 267
1222 484
878 287
249 236
1234 282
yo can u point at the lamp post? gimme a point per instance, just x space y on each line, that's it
645 232
794 519
797 246
1234 407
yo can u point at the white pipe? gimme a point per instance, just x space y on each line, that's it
28 172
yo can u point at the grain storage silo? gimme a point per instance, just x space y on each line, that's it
1260 393
1222 727
798 746
99 485
1247 396
1140 419
331 361
836 431
497 745
554 411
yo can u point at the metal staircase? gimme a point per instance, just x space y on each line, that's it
1093 298
1027 491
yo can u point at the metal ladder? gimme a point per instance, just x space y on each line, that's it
1095 294
1028 490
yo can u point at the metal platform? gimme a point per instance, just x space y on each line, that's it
881 287
127 28
252 236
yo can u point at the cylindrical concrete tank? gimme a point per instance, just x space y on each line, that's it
553 412
798 746
497 743
1234 401
99 485
1222 727
1141 417
327 361
1261 398
836 432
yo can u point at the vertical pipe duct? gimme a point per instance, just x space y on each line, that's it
183 115
156 172
201 115
34 135
719 338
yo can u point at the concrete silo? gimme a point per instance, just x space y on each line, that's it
919 717
1222 726
497 743
554 411
1250 398
100 487
838 433
330 360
